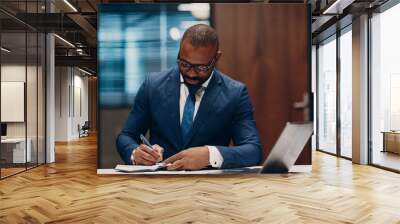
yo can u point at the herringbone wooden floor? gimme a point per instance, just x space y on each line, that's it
69 191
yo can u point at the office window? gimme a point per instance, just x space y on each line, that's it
327 95
346 92
385 88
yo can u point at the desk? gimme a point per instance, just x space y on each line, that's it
15 148
391 141
249 170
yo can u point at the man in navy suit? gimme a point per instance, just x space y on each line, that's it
193 113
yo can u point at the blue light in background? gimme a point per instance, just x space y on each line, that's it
137 39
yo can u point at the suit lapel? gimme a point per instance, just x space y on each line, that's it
171 107
208 103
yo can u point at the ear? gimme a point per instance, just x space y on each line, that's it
179 53
219 54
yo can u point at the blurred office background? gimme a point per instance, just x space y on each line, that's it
134 40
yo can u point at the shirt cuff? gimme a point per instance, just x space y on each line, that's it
215 157
133 157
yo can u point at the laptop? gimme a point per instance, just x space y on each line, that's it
285 152
287 149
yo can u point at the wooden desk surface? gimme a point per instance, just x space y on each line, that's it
70 191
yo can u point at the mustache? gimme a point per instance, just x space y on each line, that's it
191 78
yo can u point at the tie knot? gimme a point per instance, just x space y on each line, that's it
193 90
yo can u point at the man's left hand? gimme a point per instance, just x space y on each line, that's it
190 159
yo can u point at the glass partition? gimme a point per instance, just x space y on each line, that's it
13 108
327 95
22 88
345 93
41 96
385 89
31 97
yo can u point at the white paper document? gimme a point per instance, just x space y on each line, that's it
159 169
139 168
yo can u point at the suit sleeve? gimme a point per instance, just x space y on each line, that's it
247 147
138 122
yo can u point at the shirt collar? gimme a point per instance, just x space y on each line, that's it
205 84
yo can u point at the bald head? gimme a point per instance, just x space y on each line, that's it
199 46
201 35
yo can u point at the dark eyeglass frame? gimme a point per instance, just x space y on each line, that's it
200 68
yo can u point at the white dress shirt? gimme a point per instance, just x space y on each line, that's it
215 158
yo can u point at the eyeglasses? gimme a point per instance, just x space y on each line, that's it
200 68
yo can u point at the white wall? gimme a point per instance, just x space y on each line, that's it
33 127
17 73
71 94
80 110
62 81
10 73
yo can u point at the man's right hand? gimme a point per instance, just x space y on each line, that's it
144 155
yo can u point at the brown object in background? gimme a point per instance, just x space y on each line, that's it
391 141
266 47
6 154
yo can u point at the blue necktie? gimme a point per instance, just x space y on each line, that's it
188 112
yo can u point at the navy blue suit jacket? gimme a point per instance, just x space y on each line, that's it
225 113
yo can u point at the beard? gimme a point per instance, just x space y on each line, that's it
193 81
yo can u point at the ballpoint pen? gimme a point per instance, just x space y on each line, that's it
145 141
